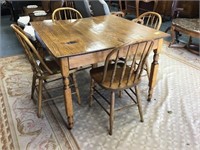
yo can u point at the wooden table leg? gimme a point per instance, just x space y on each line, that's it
67 91
154 69
173 35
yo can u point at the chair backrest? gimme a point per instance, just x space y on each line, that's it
99 7
36 61
150 19
65 13
83 7
124 74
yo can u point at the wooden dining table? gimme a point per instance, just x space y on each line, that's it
78 43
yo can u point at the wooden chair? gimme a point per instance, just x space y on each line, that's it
43 70
66 13
152 20
117 75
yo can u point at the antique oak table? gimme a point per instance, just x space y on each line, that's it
81 42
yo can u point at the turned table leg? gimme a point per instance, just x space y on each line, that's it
154 69
67 91
173 35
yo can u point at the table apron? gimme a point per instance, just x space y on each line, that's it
92 58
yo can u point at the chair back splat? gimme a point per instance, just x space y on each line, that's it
120 75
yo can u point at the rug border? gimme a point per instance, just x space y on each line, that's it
9 129
177 57
182 60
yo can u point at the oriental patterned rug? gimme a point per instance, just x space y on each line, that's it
20 127
171 119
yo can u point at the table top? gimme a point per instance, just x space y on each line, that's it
65 38
188 24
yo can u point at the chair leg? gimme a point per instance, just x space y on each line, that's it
33 86
147 69
139 103
112 105
76 88
91 91
120 93
40 97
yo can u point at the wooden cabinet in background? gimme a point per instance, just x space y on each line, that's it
164 8
190 8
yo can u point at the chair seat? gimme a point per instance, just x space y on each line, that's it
97 75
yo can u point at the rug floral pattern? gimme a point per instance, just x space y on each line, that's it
29 131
